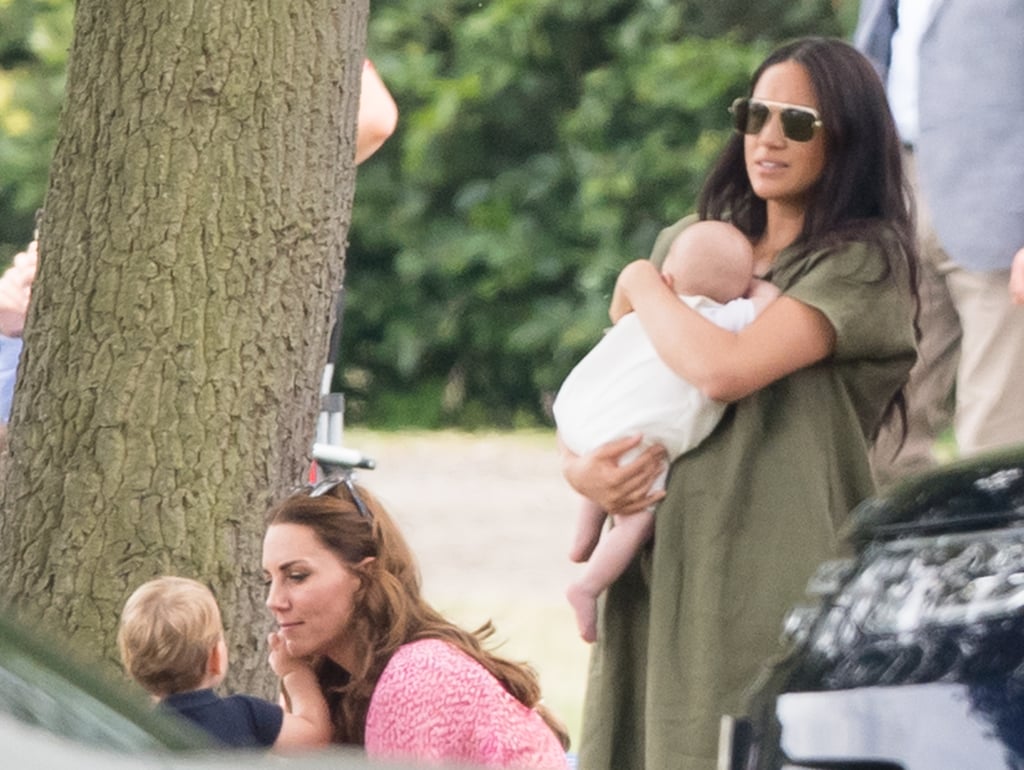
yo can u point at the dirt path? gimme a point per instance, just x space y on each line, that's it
488 515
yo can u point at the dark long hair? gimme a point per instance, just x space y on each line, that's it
388 608
862 193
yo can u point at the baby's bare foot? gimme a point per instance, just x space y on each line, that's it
584 604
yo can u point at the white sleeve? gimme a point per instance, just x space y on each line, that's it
731 316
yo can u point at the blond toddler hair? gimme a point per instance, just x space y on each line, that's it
168 627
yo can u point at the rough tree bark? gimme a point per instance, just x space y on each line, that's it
194 234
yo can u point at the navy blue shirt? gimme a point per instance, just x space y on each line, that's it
237 720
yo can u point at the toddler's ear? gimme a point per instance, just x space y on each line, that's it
217 663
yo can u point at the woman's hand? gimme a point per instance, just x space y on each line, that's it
632 279
619 490
1017 278
281 660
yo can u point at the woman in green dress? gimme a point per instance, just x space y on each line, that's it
813 178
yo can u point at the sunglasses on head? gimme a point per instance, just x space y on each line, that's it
798 122
327 486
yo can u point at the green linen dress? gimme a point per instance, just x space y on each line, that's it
748 516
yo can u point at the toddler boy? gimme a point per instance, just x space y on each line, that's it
171 641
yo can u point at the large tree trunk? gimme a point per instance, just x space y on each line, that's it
193 238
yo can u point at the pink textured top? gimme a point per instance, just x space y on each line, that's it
434 704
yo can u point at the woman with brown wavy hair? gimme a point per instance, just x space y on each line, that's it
400 679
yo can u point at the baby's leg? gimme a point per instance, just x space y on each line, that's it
589 522
610 558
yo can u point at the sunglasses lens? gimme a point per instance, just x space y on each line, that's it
798 125
757 116
739 110
748 117
327 487
324 487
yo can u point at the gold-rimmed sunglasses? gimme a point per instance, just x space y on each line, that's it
749 116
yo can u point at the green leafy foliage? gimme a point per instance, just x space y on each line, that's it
34 38
541 146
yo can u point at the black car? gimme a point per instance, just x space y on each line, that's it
910 654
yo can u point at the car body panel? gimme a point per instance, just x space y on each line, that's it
923 726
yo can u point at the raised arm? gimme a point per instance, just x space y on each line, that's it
378 113
307 721
726 366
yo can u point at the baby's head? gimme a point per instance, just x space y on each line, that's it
710 258
170 630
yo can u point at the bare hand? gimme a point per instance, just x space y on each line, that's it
1017 278
760 288
620 305
619 490
281 660
622 297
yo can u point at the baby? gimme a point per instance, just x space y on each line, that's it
622 388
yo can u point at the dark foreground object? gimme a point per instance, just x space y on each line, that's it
910 655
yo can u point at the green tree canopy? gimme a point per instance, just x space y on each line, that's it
34 38
542 145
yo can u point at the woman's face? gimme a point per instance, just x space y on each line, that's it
782 170
310 593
